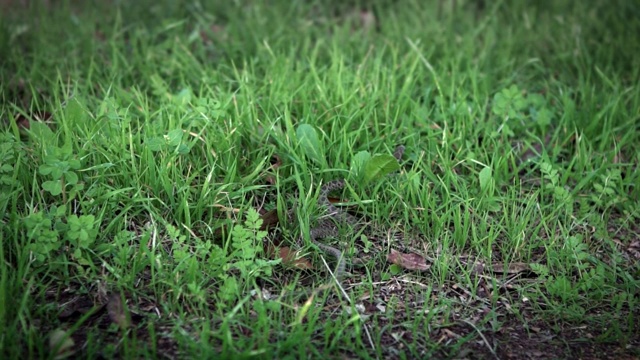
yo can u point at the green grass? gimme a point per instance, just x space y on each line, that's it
132 212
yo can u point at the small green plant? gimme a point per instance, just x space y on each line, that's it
236 266
81 233
310 143
246 257
7 167
561 287
365 167
49 231
607 190
171 142
7 155
60 165
583 279
43 235
246 243
509 103
519 111
562 196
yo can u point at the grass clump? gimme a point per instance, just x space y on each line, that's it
158 163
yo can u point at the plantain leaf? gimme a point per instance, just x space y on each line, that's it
358 163
380 165
308 139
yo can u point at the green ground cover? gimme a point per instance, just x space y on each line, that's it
159 161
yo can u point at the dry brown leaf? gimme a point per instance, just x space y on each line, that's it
276 162
77 307
634 249
368 20
289 258
118 311
269 219
512 268
408 261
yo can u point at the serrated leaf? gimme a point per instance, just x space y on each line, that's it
6 180
229 289
380 165
539 269
309 141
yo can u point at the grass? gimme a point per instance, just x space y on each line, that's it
146 147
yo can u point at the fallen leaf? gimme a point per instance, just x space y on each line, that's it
408 261
512 268
368 20
118 311
288 256
77 307
269 219
276 162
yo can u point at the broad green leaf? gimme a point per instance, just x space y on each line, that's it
308 139
174 137
74 164
42 134
183 97
183 149
536 100
71 178
54 187
485 177
380 165
543 117
358 162
155 144
46 169
395 269
59 211
74 113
